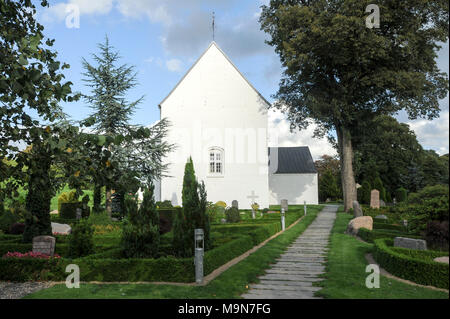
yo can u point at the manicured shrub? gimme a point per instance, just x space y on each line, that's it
81 242
437 234
140 235
401 195
164 204
16 229
378 184
364 193
66 197
181 242
7 220
416 269
232 215
221 204
328 187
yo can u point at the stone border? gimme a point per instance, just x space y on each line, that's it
206 280
371 260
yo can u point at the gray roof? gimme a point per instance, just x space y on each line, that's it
292 160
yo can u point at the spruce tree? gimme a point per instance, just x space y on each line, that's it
109 84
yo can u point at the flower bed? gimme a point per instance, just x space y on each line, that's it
29 254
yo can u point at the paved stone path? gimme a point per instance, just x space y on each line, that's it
292 276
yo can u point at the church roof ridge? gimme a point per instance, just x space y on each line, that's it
213 43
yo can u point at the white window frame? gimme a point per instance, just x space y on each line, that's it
216 156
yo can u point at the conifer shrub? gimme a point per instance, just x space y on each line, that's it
140 235
232 215
401 195
81 241
364 193
67 197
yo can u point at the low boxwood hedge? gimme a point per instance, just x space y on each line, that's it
108 265
377 225
410 265
371 235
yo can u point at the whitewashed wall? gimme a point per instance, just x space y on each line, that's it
296 188
214 106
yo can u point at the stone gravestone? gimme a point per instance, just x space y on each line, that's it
410 243
357 211
284 204
79 213
44 245
235 204
374 199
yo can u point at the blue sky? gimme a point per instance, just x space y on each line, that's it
163 38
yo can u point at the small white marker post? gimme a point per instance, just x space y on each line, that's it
283 224
199 250
304 206
253 196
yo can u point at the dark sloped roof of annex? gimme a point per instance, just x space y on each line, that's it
293 160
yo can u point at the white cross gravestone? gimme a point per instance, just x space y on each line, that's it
253 196
284 206
44 245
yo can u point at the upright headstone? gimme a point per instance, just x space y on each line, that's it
44 245
410 243
357 211
284 204
235 204
79 213
374 199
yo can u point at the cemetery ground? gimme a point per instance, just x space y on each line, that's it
345 268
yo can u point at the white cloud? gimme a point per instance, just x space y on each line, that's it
174 65
433 134
281 136
58 11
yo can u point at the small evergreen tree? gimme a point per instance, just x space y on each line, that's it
378 185
328 187
140 235
193 214
81 241
365 192
401 195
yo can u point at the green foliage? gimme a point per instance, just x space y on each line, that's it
411 267
67 197
401 195
232 215
194 214
69 210
221 204
364 193
6 220
164 204
378 185
328 187
140 235
81 241
371 235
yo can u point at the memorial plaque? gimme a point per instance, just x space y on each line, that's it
235 204
374 199
44 245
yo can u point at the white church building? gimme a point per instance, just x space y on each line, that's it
220 120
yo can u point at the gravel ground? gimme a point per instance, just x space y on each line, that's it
14 290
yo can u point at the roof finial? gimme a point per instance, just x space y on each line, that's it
213 25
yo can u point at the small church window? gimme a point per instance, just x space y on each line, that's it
215 161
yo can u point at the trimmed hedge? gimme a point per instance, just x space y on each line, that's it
371 235
412 267
69 210
378 225
110 266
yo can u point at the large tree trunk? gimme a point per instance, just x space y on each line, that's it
346 158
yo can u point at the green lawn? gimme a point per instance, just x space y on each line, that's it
346 274
230 284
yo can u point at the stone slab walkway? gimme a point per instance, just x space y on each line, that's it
294 273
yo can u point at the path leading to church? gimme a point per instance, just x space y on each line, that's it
292 276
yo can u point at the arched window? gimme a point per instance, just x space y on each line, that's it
215 161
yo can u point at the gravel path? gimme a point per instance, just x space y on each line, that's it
293 275
15 290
